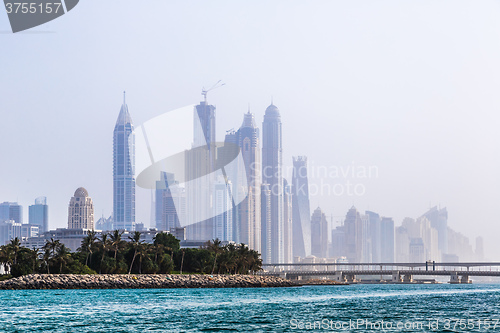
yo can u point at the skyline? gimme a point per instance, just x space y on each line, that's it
273 123
414 96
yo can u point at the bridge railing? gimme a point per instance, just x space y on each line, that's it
426 266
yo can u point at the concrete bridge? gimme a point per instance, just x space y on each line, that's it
399 272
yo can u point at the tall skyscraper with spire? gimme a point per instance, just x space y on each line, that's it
250 208
124 171
200 163
272 162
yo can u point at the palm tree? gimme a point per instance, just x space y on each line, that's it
142 252
15 245
230 258
242 258
216 249
34 254
46 255
158 249
88 245
50 249
136 244
182 261
62 256
6 256
116 240
105 245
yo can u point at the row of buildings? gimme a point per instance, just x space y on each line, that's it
371 238
12 224
235 191
269 218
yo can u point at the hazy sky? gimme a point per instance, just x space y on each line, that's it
408 87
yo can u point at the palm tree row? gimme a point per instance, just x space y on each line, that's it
54 258
111 254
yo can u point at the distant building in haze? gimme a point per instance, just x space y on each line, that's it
479 252
266 232
338 249
319 234
438 218
272 174
387 240
353 228
222 205
9 229
39 214
81 211
402 244
287 223
105 224
11 211
124 171
200 164
169 199
249 211
376 240
301 217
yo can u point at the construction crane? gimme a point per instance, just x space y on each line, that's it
339 220
204 91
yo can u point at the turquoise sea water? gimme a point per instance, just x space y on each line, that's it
409 308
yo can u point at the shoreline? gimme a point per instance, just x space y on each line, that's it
142 281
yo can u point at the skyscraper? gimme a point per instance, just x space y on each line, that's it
39 214
169 199
81 211
124 171
249 209
301 209
287 223
200 163
266 232
375 236
338 242
353 227
223 220
439 221
11 211
319 234
387 239
272 162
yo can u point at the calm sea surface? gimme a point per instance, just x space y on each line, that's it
355 308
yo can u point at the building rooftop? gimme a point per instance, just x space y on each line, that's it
273 111
81 192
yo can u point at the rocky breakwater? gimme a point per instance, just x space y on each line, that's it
119 281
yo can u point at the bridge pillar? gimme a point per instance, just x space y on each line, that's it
396 277
465 279
350 278
454 279
283 275
408 278
339 277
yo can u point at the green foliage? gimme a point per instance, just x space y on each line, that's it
5 277
23 265
168 241
112 255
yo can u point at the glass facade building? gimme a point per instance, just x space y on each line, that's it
124 171
39 214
